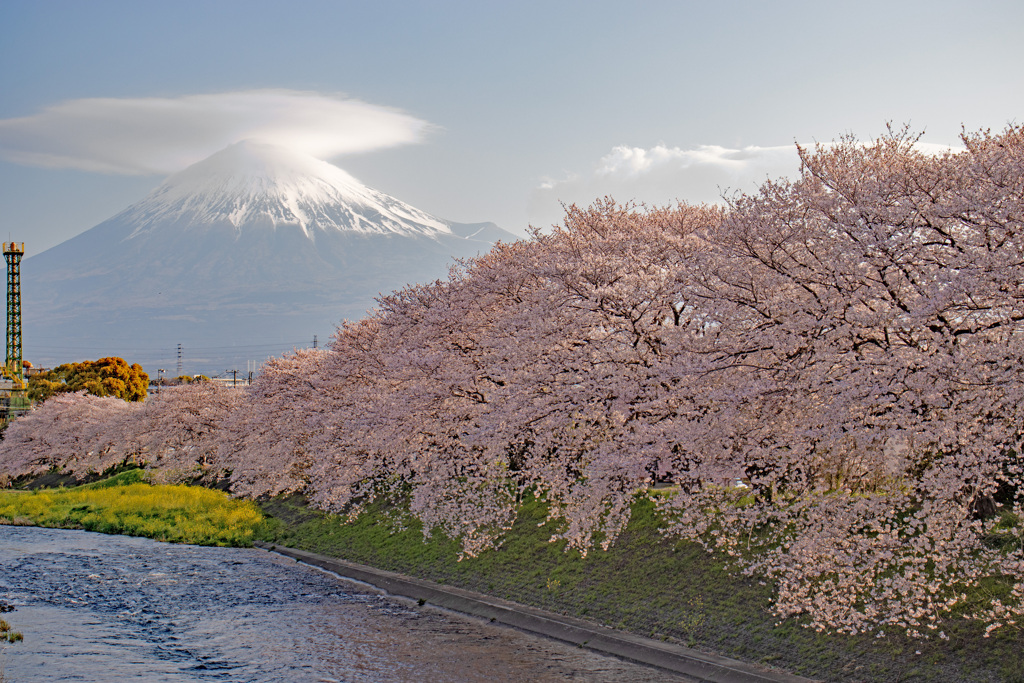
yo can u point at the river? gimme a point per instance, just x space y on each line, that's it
112 608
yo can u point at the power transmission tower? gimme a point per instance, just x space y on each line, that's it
179 360
14 402
13 251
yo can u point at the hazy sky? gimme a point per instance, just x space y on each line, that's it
478 111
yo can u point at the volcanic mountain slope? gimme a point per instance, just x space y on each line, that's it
254 246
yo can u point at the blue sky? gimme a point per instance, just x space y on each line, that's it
506 109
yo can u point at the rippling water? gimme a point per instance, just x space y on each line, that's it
109 608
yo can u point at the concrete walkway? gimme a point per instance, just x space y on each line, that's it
699 665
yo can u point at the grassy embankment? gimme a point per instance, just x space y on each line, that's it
670 590
126 504
645 584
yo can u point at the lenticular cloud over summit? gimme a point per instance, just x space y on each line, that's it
252 183
153 135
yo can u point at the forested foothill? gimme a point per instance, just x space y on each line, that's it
822 382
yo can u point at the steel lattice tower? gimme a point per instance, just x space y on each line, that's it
13 251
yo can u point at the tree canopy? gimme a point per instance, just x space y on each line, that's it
104 377
847 345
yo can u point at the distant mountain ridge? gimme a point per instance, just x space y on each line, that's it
254 244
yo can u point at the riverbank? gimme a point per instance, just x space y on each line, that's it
670 591
671 657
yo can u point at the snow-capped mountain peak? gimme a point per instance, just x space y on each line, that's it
254 246
251 183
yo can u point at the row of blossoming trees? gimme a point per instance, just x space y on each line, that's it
846 347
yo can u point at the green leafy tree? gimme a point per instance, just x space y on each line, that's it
104 377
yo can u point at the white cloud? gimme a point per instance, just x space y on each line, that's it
663 175
632 162
935 148
163 135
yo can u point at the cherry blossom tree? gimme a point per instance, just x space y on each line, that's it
825 374
178 429
172 433
77 432
864 327
265 438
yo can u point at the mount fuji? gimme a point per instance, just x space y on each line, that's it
245 254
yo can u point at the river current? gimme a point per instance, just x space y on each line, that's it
115 608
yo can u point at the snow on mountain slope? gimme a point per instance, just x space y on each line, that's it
255 245
252 182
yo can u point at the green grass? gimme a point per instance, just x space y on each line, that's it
7 634
668 590
126 504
